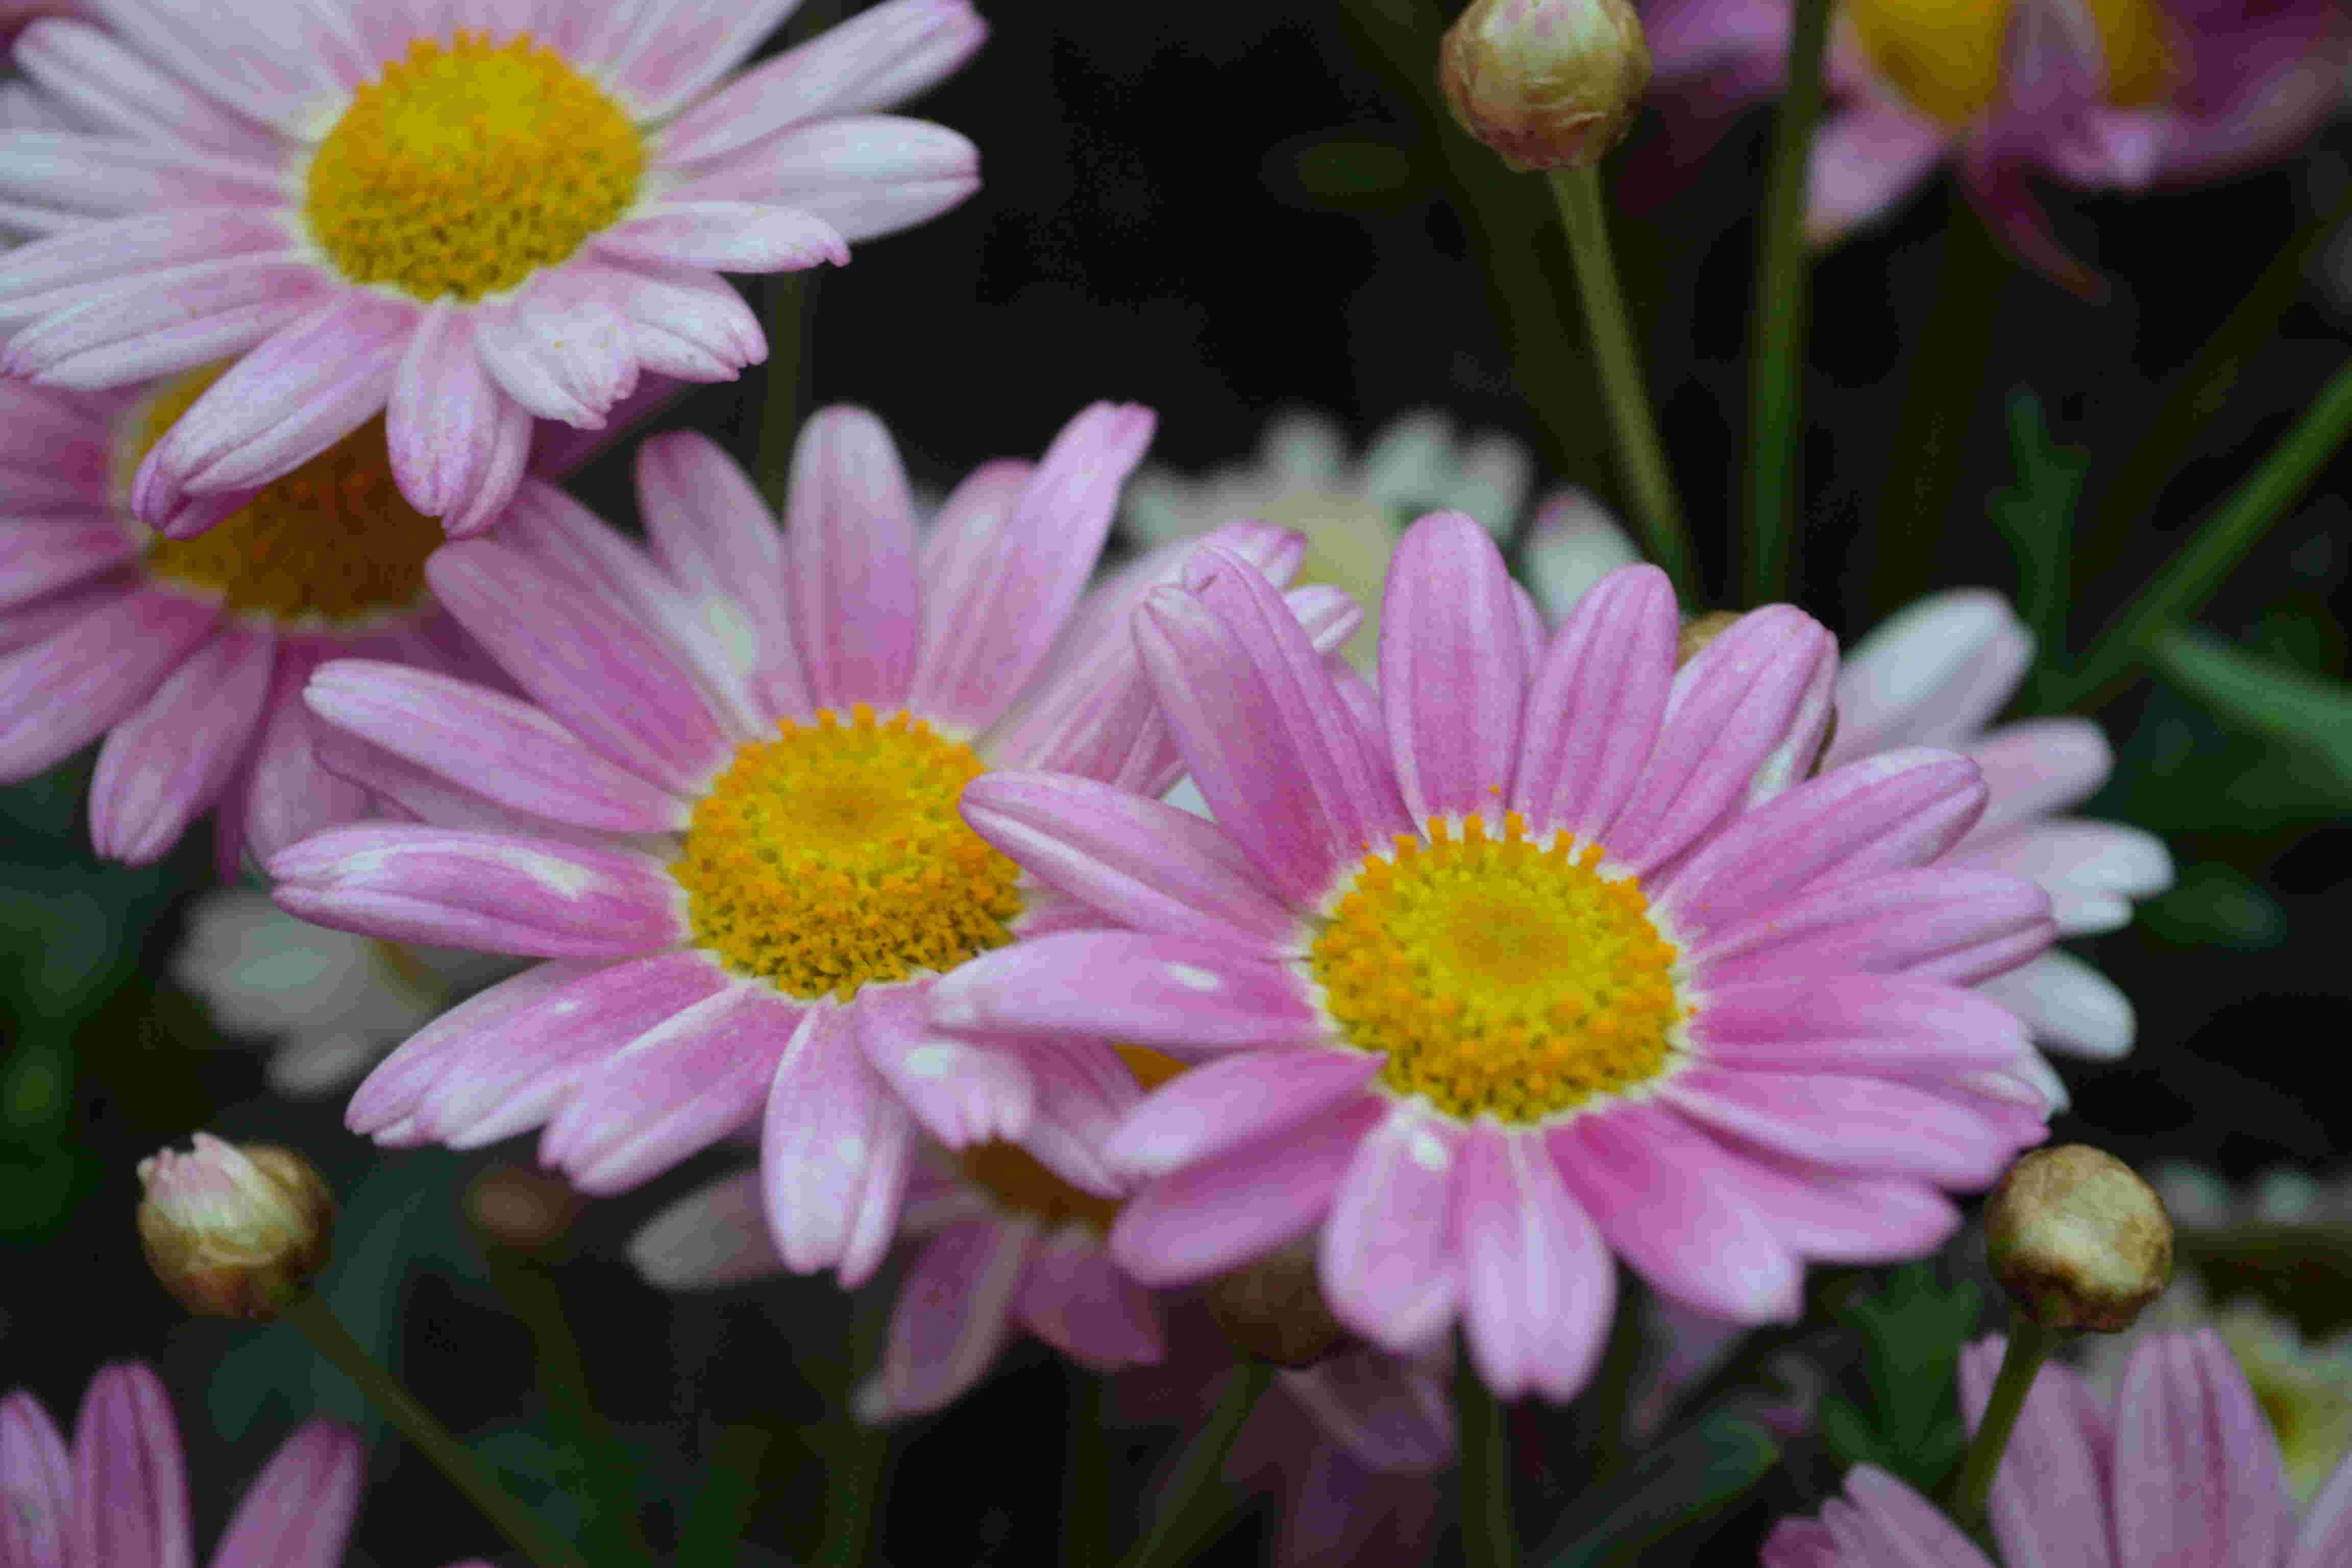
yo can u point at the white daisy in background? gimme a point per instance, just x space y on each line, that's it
1351 510
326 1004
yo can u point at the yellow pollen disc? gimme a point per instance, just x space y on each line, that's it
833 855
1012 1176
331 541
1947 56
1501 976
466 166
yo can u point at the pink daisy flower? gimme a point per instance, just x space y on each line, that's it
1533 958
1935 674
118 1497
2178 1470
2121 94
728 816
189 655
463 216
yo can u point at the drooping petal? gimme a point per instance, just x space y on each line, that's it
1388 1255
953 1314
1077 1300
1865 160
1539 1287
1597 700
1453 670
1133 987
709 1240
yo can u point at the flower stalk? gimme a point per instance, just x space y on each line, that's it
1192 1508
2030 1345
1489 1540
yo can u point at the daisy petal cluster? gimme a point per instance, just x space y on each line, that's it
119 1495
1537 956
463 218
726 816
2177 1469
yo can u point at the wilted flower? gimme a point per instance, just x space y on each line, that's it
2077 1240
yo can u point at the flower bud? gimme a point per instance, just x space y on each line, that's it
230 1230
1274 1308
1548 84
2078 1239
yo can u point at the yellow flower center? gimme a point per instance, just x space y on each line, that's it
833 855
331 542
1012 1176
466 166
1946 55
1502 976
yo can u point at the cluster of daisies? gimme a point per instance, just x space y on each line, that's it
1091 934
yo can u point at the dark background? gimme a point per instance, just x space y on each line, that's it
1222 212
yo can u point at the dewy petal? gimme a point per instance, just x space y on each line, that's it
1453 670
833 1151
953 1314
36 1486
60 693
849 548
709 1240
2052 1497
960 1090
1388 1258
2197 1472
299 1512
1242 1203
1146 990
1538 1287
1143 863
1223 1105
2067 1005
131 1485
1597 699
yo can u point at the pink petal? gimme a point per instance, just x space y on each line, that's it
981 646
1631 1167
403 791
1596 703
1730 709
1387 1257
59 694
1870 1126
673 1091
709 1240
1895 810
684 322
1934 923
2325 1539
953 1314
877 58
169 761
481 891
1538 1287
443 418
36 1486
1083 1090
849 548
960 1090
500 746
90 261
1829 1218
1145 864
299 1512
1933 675
1221 1106
2066 1005
860 175
2039 767
1127 986
1076 1299
1897 1026
97 80
1453 670
676 48
1893 1524
1865 160
2197 1473
559 348
725 236
131 1485
153 325
287 793
714 536
2092 870
106 176
1242 1202
2051 1496
833 1151
268 66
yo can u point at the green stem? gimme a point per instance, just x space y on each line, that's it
1489 1540
1641 454
713 1533
1192 1508
2185 583
309 1313
1089 1479
2030 1345
1777 391
859 1454
788 295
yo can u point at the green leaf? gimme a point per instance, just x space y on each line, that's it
2180 770
1913 1327
2212 904
1703 1469
2036 515
2309 715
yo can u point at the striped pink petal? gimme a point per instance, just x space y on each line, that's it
859 175
59 694
964 1090
953 1315
131 1485
1224 1104
169 762
1895 1026
1388 1252
1931 924
1452 669
2197 1472
1127 985
849 546
1867 1125
2052 1494
833 1152
1538 1287
1595 704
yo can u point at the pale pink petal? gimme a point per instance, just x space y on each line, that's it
59 694
833 1151
676 48
1147 864
1538 1287
2197 1472
37 560
953 1315
2325 1539
97 80
285 793
2039 767
713 534
2051 1497
1895 1525
97 259
131 1485
2067 1005
1890 812
1630 1168
1224 1104
105 176
559 348
1865 160
136 329
451 888
481 499
1453 670
724 237
857 176
444 415
1890 1025
500 746
877 58
1387 1254
849 548
1596 703
606 681
1829 1216
1076 1299
1931 923
169 761
2092 870
401 792
962 1091
981 648
1933 674
299 1512
673 1091
1130 986
269 65
709 1239
1731 708
1242 1202
36 1486
1870 1126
